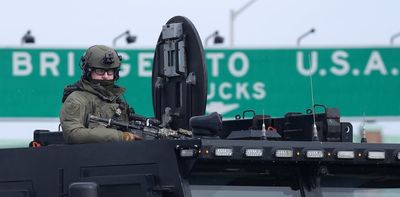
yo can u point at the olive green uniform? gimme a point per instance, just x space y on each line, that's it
85 98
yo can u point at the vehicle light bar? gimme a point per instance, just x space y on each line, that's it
345 154
223 152
253 152
284 153
315 154
376 155
187 152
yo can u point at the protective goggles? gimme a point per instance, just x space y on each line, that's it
101 71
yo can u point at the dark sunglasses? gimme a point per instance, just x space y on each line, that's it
101 71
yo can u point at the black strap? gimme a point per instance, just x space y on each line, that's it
71 88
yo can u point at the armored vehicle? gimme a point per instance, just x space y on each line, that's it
186 153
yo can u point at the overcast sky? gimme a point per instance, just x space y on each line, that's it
265 23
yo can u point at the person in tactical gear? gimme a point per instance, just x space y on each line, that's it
96 94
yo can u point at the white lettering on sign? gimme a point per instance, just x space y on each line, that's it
71 65
259 90
375 63
241 90
145 65
244 90
215 57
21 64
49 61
211 91
339 58
222 93
238 66
300 63
125 67
238 56
341 65
238 63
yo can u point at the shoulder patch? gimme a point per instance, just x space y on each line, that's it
71 108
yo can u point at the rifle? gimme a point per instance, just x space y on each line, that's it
146 126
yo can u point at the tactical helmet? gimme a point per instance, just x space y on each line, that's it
100 56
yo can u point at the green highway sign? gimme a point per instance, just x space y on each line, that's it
276 81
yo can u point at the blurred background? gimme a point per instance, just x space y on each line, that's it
259 54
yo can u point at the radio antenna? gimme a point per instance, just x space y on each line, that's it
263 130
315 131
263 123
363 133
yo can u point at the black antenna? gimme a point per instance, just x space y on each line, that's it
315 131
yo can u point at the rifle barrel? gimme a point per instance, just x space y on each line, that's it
147 130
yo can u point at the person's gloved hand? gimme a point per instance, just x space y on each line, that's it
128 136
